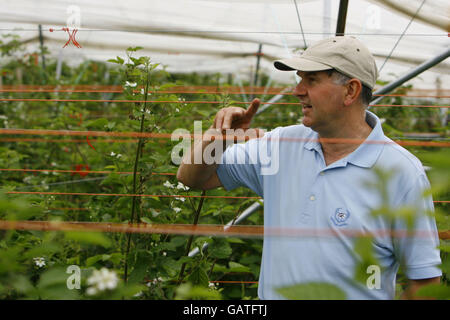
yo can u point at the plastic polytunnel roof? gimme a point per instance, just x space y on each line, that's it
224 36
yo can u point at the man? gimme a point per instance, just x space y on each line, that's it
321 180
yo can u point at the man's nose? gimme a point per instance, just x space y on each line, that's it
299 89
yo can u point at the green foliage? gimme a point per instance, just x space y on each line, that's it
312 291
434 291
189 292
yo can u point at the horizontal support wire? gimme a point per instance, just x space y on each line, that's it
219 136
179 90
129 195
143 195
197 102
212 230
81 171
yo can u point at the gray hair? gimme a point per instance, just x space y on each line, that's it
341 79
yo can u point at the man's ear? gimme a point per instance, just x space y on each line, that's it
352 92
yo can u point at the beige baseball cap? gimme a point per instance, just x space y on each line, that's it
346 54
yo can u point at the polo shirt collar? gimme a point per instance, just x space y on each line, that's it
367 153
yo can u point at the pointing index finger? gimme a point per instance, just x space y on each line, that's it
251 111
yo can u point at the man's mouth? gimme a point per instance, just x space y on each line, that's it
306 106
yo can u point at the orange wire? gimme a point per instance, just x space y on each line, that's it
224 137
81 171
177 89
128 195
198 102
198 229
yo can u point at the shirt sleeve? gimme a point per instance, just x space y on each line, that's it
246 164
418 254
239 167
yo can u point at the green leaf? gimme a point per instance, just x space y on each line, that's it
237 267
312 291
437 291
220 248
97 123
92 260
363 251
120 60
140 267
170 266
95 238
188 292
146 220
235 240
134 49
53 285
199 277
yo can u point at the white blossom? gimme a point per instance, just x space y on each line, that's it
154 281
130 84
39 261
176 209
182 186
167 184
112 154
212 285
101 280
28 179
180 198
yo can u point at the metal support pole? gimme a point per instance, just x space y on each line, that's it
244 215
258 59
411 74
255 78
342 17
41 41
273 100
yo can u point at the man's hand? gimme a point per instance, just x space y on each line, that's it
236 117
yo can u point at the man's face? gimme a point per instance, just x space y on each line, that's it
321 99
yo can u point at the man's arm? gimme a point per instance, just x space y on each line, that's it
202 175
415 285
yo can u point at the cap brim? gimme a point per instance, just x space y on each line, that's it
300 64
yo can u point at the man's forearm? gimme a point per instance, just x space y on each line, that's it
194 171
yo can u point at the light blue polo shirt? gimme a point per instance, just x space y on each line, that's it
301 193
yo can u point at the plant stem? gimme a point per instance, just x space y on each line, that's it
188 246
136 164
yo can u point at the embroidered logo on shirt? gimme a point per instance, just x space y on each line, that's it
340 217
